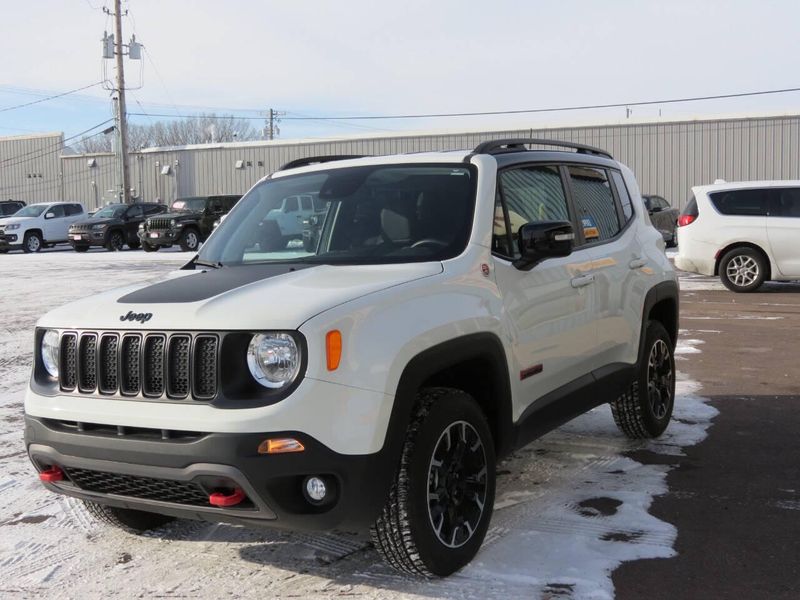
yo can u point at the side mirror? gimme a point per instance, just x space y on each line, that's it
50 215
543 240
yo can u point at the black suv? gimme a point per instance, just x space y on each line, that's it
9 207
188 222
112 226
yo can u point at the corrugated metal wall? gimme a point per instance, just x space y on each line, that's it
30 167
667 157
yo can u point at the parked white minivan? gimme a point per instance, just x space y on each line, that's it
747 232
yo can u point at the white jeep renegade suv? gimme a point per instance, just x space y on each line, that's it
455 307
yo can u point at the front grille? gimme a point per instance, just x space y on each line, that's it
158 223
80 228
177 366
149 488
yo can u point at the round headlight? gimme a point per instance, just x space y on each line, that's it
50 352
273 359
172 223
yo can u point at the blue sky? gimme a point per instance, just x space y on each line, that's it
371 58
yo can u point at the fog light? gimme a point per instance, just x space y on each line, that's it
315 489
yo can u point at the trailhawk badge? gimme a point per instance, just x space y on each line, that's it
140 317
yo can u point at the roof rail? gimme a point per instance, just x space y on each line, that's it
317 160
518 144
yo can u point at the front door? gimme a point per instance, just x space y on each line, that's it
550 307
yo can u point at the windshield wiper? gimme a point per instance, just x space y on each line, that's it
214 265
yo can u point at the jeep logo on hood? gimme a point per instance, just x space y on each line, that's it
140 317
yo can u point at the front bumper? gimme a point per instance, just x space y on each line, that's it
160 238
10 241
272 483
88 238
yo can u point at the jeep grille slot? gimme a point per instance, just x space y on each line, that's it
205 367
130 361
109 363
68 370
178 366
154 365
87 362
153 380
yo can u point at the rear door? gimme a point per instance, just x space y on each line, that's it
783 230
604 210
133 216
549 308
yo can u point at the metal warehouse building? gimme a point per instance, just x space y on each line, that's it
668 157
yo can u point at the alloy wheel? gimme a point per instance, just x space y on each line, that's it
660 379
34 244
457 484
191 240
742 270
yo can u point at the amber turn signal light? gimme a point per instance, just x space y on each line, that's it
280 446
333 349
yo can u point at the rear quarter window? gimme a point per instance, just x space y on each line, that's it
745 203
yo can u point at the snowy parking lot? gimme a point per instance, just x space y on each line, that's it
570 507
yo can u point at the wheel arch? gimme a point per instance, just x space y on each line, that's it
475 364
733 246
662 304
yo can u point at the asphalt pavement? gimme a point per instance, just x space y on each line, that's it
735 497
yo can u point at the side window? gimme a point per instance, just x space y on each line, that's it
594 201
154 209
134 211
291 204
750 203
531 194
214 205
229 203
57 210
624 198
786 203
305 203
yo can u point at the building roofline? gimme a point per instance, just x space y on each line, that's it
31 136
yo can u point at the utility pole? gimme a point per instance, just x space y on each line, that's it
272 130
120 113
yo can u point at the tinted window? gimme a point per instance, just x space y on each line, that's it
228 203
531 194
785 202
57 210
624 198
74 209
154 209
594 201
661 203
291 204
752 203
305 202
134 211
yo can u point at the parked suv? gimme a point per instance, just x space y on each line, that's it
9 207
663 217
457 306
39 225
746 232
112 226
188 223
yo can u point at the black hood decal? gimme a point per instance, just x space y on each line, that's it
207 284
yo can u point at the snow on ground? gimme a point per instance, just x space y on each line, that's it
570 507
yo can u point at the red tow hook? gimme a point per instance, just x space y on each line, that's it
52 474
220 499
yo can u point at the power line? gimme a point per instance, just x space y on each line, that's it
45 99
505 112
55 147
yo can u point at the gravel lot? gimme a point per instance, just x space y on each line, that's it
571 508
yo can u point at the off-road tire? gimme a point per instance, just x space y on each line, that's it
404 534
149 248
28 245
127 519
116 241
754 277
189 240
634 413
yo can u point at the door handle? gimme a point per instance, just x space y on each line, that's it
637 263
578 282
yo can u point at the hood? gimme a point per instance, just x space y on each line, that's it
180 214
252 297
11 220
93 221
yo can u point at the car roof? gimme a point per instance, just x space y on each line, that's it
745 185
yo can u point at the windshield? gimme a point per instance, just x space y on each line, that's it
114 211
31 211
189 205
359 215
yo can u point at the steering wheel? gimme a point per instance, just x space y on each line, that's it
429 242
